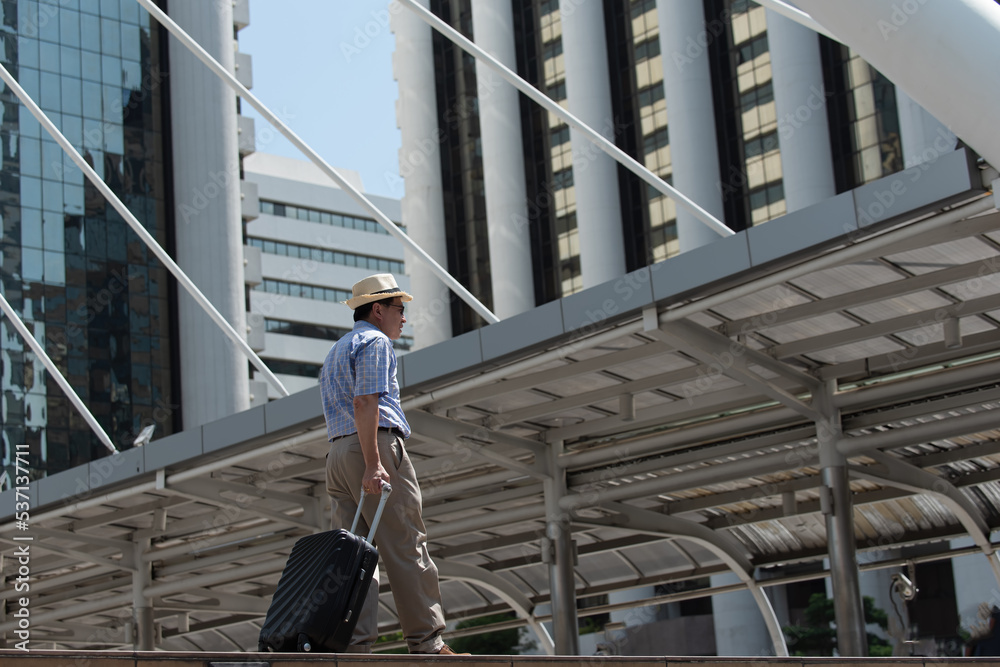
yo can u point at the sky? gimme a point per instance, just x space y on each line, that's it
325 68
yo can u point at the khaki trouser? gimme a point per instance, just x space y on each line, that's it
401 540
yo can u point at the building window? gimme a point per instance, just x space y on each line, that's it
306 330
552 49
297 368
647 49
562 179
322 217
749 154
303 291
377 264
86 285
864 121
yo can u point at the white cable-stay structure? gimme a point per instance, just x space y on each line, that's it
490 494
315 158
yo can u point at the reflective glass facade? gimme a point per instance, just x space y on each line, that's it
864 120
80 278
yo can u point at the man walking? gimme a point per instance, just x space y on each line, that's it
366 428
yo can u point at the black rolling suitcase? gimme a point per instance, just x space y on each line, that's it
322 588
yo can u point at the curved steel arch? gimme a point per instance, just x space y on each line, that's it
722 545
897 473
517 600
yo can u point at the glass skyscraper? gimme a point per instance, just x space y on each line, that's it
82 281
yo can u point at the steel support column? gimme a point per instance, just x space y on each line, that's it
839 512
142 608
559 552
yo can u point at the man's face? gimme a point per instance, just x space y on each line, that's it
390 318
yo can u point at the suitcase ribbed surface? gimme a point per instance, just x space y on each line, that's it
320 592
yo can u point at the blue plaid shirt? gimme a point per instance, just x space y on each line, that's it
362 362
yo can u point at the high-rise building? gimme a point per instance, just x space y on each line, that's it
86 285
744 111
313 243
165 134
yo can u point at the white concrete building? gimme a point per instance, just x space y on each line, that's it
310 243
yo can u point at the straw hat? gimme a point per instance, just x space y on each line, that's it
375 288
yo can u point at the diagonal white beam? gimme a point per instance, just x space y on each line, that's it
732 359
141 232
726 547
53 370
551 106
942 54
344 185
797 15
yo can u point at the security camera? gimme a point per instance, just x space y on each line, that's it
903 586
144 436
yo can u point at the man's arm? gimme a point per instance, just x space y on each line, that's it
366 423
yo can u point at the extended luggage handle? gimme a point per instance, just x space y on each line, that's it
386 490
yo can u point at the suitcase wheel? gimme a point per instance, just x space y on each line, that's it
304 644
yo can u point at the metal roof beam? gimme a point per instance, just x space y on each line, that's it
921 320
730 358
569 370
234 510
120 514
97 557
685 456
861 297
72 536
69 579
662 415
922 409
250 491
912 358
450 506
225 557
543 408
463 433
972 422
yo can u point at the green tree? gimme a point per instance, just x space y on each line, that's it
492 642
819 637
